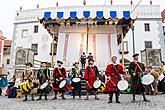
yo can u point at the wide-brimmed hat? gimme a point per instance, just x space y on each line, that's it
136 54
58 61
43 62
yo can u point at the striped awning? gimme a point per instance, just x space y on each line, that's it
99 14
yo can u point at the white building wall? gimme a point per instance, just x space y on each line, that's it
155 35
5 65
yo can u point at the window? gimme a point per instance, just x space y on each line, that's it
148 44
34 48
55 49
125 43
8 61
147 26
36 29
24 33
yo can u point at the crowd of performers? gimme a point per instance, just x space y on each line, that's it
59 81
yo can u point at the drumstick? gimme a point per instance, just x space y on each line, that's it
112 82
88 84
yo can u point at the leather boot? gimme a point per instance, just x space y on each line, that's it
117 97
46 97
25 98
110 97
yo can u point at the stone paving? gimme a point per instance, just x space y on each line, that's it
156 103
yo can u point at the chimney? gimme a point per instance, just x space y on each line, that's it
84 2
111 2
20 8
150 2
37 5
56 4
131 2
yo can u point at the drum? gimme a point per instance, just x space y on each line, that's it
161 77
76 80
46 88
25 87
44 85
99 85
147 79
65 86
68 80
122 85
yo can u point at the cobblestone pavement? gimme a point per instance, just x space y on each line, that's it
156 103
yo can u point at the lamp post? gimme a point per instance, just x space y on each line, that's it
133 38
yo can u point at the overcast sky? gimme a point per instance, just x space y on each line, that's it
8 8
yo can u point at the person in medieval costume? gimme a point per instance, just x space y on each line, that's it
114 73
90 57
83 60
29 75
43 76
59 74
161 85
154 85
75 72
91 75
136 70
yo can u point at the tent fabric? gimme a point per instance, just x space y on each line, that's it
86 14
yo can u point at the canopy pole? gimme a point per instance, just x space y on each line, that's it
53 50
122 44
87 39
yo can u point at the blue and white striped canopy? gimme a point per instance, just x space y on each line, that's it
87 14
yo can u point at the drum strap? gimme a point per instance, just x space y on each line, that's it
116 70
93 69
137 65
59 71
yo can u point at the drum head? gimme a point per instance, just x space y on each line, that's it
62 84
161 77
76 80
122 85
44 85
97 84
147 79
68 80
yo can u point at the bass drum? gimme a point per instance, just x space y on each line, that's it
122 85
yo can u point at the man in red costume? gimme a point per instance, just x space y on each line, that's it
113 73
91 75
59 73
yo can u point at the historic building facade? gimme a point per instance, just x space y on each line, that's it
29 33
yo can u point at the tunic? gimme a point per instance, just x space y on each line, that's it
43 75
29 75
75 73
114 72
136 83
91 74
58 75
